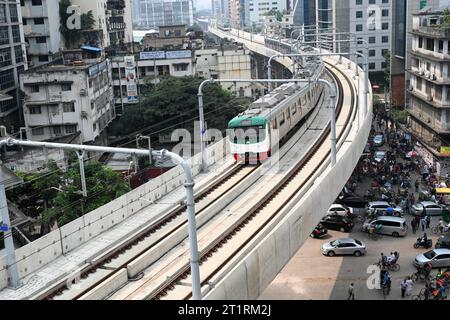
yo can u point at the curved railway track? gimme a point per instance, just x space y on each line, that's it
169 224
233 238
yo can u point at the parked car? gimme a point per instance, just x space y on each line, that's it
338 223
431 208
392 226
344 247
438 258
378 140
379 156
319 232
341 210
443 242
373 206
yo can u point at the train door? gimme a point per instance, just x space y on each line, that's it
288 113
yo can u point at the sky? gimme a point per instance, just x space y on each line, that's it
203 4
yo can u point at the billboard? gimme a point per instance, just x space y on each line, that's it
445 152
178 54
150 55
130 75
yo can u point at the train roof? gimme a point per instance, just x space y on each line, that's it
263 107
247 121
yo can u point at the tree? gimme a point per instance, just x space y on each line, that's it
72 35
174 102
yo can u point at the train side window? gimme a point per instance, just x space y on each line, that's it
282 120
288 115
293 110
274 124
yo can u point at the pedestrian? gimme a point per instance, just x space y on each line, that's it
423 223
351 292
428 218
409 286
414 225
403 286
416 184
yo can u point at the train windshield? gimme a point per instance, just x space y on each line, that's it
248 135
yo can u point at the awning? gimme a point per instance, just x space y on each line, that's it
89 48
5 97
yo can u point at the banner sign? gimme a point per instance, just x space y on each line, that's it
178 54
130 75
150 55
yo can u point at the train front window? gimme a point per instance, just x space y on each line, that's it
249 135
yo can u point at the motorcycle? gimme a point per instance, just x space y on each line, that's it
421 244
319 232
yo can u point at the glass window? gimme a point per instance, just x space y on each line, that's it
66 87
37 131
71 128
35 110
16 33
68 107
2 13
13 13
5 57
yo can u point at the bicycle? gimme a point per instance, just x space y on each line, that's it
421 295
438 230
420 276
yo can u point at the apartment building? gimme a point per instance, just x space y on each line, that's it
402 15
226 64
429 84
68 96
274 28
41 28
12 63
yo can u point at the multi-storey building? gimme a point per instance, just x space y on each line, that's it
402 15
150 65
113 21
274 28
304 12
258 8
68 96
221 10
156 13
41 28
12 63
226 64
429 83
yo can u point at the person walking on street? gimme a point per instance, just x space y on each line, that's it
414 226
409 286
403 286
428 218
416 184
351 292
423 223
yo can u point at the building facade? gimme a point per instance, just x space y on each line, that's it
41 28
67 97
226 64
150 65
274 28
304 12
157 13
402 15
12 63
429 83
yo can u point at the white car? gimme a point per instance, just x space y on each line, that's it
378 140
438 258
379 156
431 208
340 210
344 247
372 207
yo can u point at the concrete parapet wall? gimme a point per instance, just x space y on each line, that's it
36 254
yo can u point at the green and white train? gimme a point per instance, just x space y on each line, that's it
282 109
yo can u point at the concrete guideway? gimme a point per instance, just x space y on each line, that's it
272 249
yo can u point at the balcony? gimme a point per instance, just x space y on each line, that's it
435 32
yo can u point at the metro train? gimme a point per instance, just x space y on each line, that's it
250 132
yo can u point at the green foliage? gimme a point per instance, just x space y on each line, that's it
103 186
387 70
278 14
174 101
73 36
400 116
446 15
